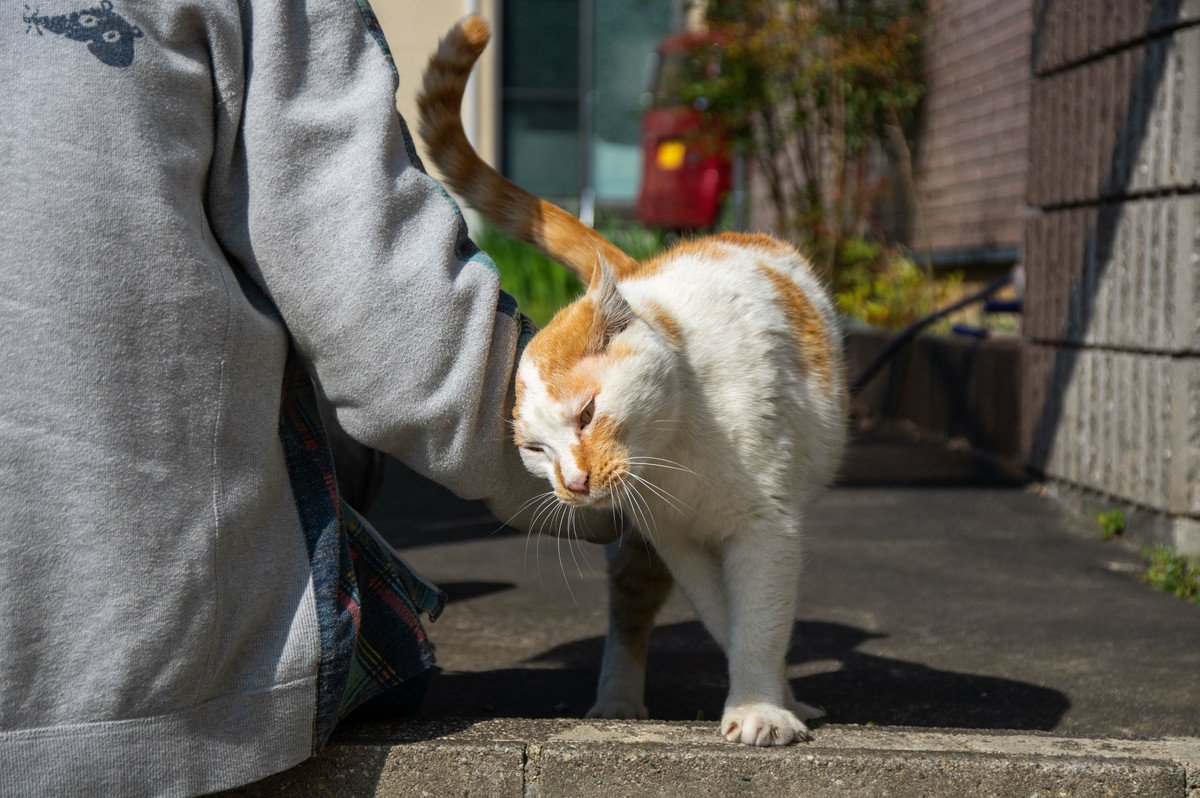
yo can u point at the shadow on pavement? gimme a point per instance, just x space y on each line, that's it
686 679
463 591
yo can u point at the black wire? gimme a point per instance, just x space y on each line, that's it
910 332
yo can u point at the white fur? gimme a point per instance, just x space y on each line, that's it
745 437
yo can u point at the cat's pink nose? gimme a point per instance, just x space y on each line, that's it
579 483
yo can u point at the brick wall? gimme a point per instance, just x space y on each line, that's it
1112 252
971 157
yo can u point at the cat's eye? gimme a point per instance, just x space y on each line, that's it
585 416
534 449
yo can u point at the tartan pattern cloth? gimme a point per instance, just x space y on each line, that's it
368 601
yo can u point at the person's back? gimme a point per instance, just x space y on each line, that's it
191 190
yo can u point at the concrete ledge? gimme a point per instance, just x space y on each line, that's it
615 759
1143 526
952 387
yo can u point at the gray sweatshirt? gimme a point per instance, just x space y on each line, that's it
157 625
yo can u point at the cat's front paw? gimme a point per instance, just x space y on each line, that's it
762 724
620 710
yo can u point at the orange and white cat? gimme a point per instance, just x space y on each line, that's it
700 393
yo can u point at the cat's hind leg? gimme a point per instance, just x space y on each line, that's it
638 584
761 567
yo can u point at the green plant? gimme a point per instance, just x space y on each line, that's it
812 91
1112 523
640 243
1175 573
893 294
540 285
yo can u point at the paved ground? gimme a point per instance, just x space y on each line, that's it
938 592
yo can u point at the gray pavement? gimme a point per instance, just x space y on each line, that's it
939 591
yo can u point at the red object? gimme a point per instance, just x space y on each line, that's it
686 166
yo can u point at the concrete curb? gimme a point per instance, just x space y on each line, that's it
615 759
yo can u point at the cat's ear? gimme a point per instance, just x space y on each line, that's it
613 313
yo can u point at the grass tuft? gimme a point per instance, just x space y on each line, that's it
1177 574
1112 523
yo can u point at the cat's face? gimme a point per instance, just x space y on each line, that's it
594 388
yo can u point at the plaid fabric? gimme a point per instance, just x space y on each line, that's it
368 601
508 306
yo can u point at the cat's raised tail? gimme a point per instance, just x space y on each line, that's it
503 203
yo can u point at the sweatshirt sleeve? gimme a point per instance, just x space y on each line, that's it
326 205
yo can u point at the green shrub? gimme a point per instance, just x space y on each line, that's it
1174 573
891 294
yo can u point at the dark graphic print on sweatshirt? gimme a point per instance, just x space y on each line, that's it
108 35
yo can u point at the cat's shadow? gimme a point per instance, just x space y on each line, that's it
686 680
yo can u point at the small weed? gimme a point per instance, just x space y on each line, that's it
1175 573
699 714
1112 523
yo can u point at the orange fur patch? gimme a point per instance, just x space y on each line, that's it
600 453
806 323
757 241
708 248
560 482
665 323
518 397
619 349
574 333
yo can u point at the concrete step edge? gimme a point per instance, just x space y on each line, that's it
613 759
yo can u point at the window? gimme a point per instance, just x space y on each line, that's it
541 93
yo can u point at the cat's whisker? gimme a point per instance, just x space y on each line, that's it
545 511
581 543
673 468
646 508
558 536
570 545
548 518
546 498
519 510
662 462
638 502
669 498
633 511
